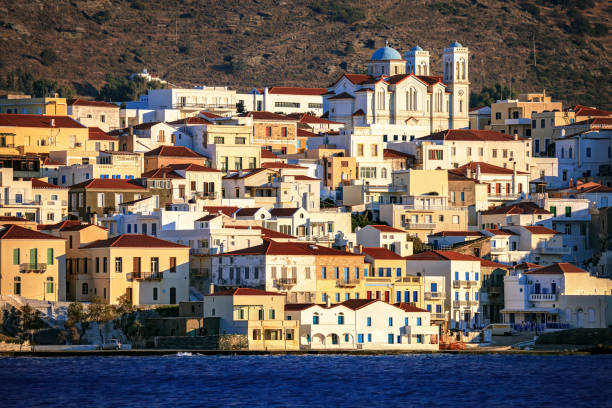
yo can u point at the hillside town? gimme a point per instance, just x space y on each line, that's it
378 212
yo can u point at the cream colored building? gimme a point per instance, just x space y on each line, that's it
256 314
33 264
543 126
113 165
145 269
98 114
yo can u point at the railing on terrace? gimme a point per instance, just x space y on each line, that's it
438 316
344 283
285 282
542 297
147 276
32 268
434 295
409 279
418 225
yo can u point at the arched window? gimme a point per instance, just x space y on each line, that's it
334 338
381 99
346 338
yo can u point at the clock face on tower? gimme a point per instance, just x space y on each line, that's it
461 92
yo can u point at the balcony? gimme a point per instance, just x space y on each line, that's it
553 250
417 225
409 279
347 283
494 290
146 276
205 106
285 283
499 250
199 251
518 121
227 282
32 268
464 283
437 316
205 196
434 295
460 303
543 297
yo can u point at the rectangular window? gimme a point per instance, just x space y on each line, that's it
154 293
360 338
50 256
172 264
118 264
97 264
415 296
435 154
315 319
369 321
390 338
323 272
568 211
272 314
419 321
16 256
155 265
398 272
390 321
419 338
104 264
340 319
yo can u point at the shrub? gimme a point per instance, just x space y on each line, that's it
48 57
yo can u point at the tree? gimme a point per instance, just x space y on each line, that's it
127 319
101 313
417 244
30 320
488 95
240 107
77 320
361 219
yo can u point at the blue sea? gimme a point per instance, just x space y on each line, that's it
416 380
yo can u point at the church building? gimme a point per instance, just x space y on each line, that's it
400 98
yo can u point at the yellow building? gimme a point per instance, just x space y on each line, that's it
389 280
146 269
40 133
25 104
513 116
33 264
256 314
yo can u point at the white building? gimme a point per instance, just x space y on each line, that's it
284 99
363 324
399 96
384 236
582 155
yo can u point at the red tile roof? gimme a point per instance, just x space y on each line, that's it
396 154
289 90
192 120
38 121
307 118
296 307
305 133
537 229
270 247
357 79
558 268
11 218
266 116
68 225
305 178
582 110
526 265
456 234
247 212
48 162
12 231
431 79
267 154
342 95
381 253
452 256
524 207
173 151
246 292
36 183
133 241
485 168
95 133
501 232
407 307
385 228
229 211
280 165
108 184
192 167
595 122
283 212
96 104
208 217
469 135
355 304
245 174
210 115
161 173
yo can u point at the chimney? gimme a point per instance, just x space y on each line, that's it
211 289
52 122
478 172
94 219
516 136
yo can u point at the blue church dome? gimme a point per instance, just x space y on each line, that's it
455 44
386 53
416 48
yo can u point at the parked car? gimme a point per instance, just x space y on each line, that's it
500 329
112 344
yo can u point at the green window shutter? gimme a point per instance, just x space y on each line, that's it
49 256
33 257
16 256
